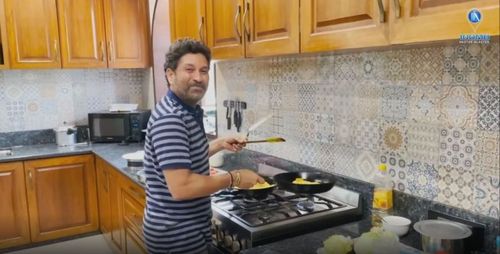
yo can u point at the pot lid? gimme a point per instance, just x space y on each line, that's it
63 128
135 156
442 229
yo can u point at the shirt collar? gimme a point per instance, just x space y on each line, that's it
194 110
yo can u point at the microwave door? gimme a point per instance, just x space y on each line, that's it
110 128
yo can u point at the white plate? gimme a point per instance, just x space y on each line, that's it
442 229
136 156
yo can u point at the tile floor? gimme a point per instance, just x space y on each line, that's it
86 245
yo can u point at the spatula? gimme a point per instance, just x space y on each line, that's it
269 140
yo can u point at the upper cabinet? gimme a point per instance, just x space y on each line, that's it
429 20
127 31
83 40
187 19
341 24
78 33
32 33
4 50
252 28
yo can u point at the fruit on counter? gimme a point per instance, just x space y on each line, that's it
302 181
337 244
259 186
377 241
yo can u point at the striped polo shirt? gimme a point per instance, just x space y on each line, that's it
175 139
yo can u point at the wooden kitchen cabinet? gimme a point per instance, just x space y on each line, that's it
4 50
127 32
341 24
431 20
133 200
82 33
61 196
33 35
14 229
187 19
252 28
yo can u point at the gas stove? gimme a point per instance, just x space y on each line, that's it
239 223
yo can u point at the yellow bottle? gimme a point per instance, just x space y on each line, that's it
382 195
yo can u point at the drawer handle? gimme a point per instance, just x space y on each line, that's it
397 9
245 30
236 17
381 11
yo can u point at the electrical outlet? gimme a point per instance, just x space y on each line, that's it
473 243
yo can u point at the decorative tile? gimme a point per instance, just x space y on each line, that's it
487 153
424 104
394 138
275 96
307 69
307 93
426 66
326 69
397 170
423 180
323 128
489 69
323 98
347 67
343 98
344 157
461 64
397 65
365 165
489 108
395 102
367 100
366 134
456 187
423 142
457 148
486 195
372 66
343 130
458 106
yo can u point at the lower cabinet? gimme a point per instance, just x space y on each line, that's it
14 229
121 209
47 199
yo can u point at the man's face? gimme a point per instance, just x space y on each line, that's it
190 80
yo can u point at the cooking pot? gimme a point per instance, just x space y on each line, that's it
65 135
324 182
442 236
135 160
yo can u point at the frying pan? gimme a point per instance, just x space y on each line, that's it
325 180
259 193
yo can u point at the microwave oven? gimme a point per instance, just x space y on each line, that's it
107 126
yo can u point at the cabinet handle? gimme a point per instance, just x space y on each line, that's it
200 29
106 181
381 11
30 178
236 17
103 52
56 50
245 30
397 8
110 51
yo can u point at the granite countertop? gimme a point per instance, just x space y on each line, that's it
111 153
311 242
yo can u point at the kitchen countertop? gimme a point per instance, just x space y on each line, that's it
309 243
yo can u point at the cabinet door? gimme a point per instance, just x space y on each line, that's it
187 19
127 32
14 229
340 24
62 196
32 33
4 50
431 20
271 27
81 24
224 28
132 206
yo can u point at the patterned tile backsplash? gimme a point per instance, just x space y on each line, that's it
430 112
44 99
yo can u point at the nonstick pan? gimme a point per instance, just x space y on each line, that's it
325 182
259 193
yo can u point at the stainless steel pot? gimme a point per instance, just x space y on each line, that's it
65 135
442 235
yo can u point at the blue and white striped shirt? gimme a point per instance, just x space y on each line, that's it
175 139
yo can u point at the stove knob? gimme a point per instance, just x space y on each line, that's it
236 247
228 241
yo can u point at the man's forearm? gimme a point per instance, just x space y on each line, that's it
195 185
214 147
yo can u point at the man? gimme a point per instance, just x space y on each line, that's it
178 186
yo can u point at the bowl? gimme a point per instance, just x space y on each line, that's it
396 224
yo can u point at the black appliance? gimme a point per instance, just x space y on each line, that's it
107 126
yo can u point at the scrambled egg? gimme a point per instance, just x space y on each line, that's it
259 186
300 180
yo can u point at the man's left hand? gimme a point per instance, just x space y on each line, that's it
233 143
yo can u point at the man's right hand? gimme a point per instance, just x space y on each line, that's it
248 178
